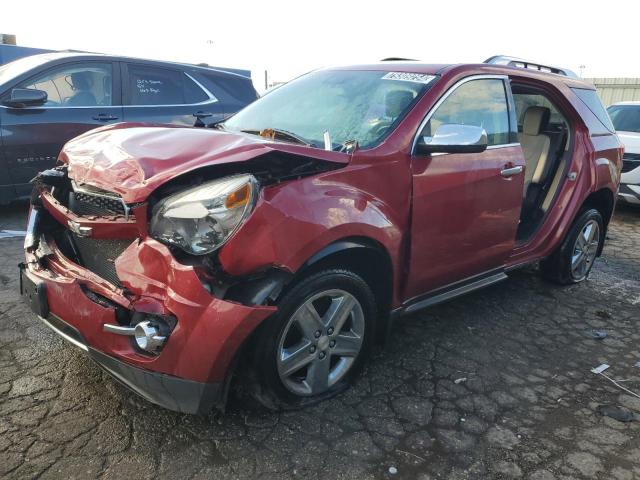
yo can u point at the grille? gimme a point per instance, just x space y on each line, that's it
99 255
627 166
87 204
630 161
95 254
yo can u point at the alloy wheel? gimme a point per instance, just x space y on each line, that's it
585 250
320 342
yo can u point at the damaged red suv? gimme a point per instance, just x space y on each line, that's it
284 240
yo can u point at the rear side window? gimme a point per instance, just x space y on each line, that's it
233 87
192 92
525 100
482 103
162 86
592 101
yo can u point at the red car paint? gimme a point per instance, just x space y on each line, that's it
134 159
438 220
163 285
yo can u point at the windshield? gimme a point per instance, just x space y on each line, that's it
360 106
625 118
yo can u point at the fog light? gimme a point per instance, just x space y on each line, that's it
148 337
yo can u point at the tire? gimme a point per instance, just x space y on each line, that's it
294 365
573 260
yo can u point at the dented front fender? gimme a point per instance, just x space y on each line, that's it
295 220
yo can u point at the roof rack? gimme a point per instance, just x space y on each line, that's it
398 59
520 63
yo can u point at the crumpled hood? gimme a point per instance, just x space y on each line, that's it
133 159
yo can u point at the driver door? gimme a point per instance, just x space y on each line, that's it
466 206
81 96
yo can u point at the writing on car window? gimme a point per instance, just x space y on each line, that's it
163 86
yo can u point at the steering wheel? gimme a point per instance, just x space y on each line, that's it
377 130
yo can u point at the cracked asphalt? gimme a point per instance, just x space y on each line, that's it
496 384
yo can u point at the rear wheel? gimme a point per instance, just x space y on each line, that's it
573 260
317 342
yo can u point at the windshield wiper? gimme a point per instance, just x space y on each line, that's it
347 147
283 134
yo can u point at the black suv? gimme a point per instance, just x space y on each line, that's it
45 100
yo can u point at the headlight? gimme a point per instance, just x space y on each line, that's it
201 219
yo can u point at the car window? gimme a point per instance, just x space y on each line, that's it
481 103
163 86
237 89
193 93
525 100
75 85
592 101
625 118
362 106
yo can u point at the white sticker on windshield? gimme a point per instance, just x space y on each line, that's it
409 77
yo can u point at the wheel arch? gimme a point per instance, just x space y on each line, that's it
365 257
603 201
362 255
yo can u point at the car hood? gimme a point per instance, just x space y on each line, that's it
631 141
134 159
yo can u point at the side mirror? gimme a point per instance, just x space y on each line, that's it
454 138
26 97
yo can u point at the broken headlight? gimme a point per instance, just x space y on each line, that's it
201 219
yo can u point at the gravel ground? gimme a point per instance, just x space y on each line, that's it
493 385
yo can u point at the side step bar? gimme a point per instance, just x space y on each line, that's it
448 293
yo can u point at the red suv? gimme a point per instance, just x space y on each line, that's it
285 239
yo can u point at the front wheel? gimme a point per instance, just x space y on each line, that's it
573 260
316 343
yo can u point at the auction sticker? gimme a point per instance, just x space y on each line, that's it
409 77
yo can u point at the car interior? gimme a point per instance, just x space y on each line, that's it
544 135
81 86
81 83
395 102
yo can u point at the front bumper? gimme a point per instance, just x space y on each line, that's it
629 194
630 187
170 392
190 373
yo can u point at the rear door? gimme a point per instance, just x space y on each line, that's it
466 206
7 190
81 96
167 94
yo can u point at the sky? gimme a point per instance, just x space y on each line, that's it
289 38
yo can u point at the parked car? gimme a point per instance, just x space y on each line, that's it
626 120
50 98
9 53
283 241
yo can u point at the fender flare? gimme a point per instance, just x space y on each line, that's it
342 245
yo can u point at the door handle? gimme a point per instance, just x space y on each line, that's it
104 117
202 114
511 171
